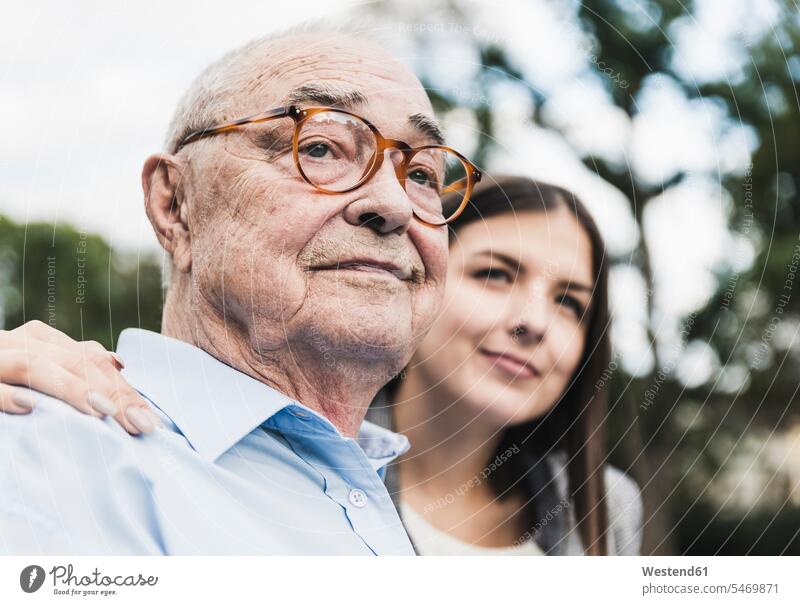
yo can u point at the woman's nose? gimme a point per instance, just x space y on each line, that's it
530 316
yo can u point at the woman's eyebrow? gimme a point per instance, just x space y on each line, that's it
567 284
571 285
509 260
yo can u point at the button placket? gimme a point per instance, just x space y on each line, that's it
343 465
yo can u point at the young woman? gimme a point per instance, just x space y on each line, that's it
500 402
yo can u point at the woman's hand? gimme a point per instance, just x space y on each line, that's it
83 374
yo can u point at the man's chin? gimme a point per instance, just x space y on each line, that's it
358 328
370 316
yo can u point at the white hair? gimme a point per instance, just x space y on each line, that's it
211 96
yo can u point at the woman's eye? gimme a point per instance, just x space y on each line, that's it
315 150
571 303
493 274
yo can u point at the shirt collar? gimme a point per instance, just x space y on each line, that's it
214 405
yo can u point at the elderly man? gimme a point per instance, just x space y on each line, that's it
308 250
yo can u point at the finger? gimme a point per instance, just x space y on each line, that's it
134 413
94 350
87 378
40 373
145 420
97 392
109 392
16 400
38 337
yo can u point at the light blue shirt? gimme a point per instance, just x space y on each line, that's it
239 469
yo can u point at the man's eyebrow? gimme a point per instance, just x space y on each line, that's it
316 93
325 94
428 126
333 96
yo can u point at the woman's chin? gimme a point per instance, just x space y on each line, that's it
502 407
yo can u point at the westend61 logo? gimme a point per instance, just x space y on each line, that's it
65 582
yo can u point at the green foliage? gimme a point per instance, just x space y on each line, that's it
74 282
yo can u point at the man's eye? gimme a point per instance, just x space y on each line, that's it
315 150
421 177
493 274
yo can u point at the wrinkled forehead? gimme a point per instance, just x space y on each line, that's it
339 70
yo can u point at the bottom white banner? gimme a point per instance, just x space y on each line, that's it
398 580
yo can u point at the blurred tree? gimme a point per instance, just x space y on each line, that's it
684 445
74 282
693 434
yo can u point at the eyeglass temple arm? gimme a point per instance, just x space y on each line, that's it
461 184
278 112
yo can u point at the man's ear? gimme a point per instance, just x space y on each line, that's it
167 210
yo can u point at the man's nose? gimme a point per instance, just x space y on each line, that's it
382 203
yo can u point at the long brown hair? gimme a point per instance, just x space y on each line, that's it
575 425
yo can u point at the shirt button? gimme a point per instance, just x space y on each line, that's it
357 498
299 414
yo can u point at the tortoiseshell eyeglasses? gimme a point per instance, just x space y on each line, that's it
336 151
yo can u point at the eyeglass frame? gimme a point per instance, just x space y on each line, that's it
381 145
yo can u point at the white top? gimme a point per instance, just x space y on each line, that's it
429 540
625 516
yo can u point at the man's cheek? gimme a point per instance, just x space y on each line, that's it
426 306
431 245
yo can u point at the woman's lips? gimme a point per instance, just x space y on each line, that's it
514 367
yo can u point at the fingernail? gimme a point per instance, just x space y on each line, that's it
156 420
101 403
24 401
117 359
139 419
